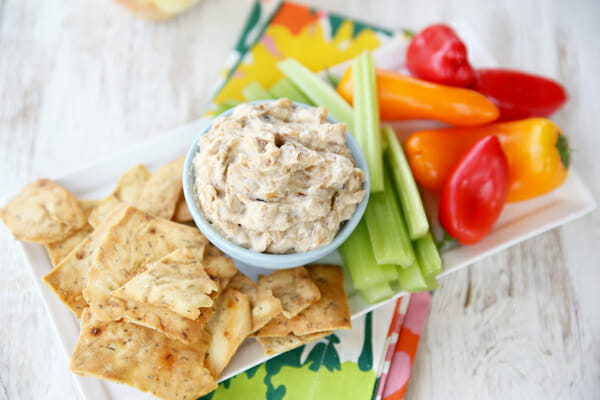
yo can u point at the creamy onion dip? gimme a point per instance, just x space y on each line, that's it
277 178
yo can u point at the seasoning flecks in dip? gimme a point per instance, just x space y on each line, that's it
277 178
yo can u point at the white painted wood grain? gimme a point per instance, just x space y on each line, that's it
79 80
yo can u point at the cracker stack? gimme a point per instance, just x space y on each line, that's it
162 309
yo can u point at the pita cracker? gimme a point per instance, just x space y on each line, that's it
220 269
229 326
212 250
161 192
128 191
103 209
274 345
182 212
331 312
88 205
131 184
177 281
293 287
59 250
264 305
68 279
171 324
143 358
136 240
43 212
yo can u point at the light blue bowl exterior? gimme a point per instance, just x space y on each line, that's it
265 260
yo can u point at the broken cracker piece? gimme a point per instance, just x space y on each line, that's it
264 305
331 312
274 345
131 184
103 209
230 324
177 281
171 324
161 192
293 287
212 250
220 268
182 211
59 250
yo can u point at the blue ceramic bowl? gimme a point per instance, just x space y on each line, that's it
266 260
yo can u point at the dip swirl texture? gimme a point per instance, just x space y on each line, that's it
277 178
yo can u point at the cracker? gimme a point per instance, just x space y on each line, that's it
264 305
143 358
69 277
171 324
293 287
274 345
229 326
161 192
220 269
137 239
331 312
212 250
59 250
43 212
88 205
103 209
182 212
132 184
177 281
128 191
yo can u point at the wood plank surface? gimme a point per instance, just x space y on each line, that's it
80 80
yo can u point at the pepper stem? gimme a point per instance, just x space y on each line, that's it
562 145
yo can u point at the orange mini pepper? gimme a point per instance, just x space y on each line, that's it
537 151
402 97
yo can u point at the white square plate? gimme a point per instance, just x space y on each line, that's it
519 221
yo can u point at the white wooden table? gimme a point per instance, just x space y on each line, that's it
80 80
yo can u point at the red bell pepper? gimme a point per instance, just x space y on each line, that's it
519 95
438 55
475 193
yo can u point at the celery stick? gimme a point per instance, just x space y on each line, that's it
366 117
226 105
411 279
428 256
285 88
387 231
358 257
255 91
410 199
432 283
318 91
377 293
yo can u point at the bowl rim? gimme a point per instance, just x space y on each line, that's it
268 260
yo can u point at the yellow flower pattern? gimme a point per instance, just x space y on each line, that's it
312 47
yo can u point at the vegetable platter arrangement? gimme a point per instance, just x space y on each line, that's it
498 146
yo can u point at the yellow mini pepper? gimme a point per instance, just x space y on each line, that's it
537 151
